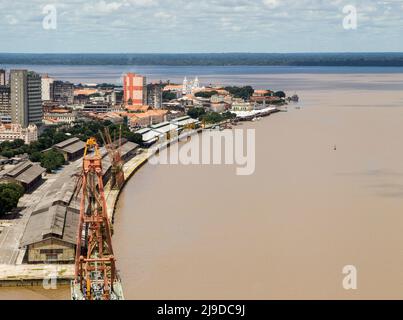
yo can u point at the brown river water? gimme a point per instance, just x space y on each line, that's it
287 231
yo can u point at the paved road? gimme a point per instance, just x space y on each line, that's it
11 235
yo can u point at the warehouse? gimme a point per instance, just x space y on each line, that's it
50 235
26 174
71 149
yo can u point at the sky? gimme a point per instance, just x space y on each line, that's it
185 26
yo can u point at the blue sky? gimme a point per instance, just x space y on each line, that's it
140 26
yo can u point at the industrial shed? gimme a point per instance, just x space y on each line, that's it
51 231
50 235
26 173
71 149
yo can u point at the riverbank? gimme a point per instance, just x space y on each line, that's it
14 275
30 275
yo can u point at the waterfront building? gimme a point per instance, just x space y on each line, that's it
185 121
13 131
3 81
71 149
63 92
165 130
149 117
50 235
189 86
26 174
51 231
264 99
148 136
134 89
47 94
154 95
26 97
262 93
5 103
241 105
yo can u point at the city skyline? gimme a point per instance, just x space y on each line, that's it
178 26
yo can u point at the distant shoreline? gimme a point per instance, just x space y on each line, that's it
388 59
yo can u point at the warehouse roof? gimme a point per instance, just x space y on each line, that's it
66 143
71 145
25 172
57 221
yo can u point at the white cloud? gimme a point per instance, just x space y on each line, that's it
11 20
208 25
103 7
271 3
163 15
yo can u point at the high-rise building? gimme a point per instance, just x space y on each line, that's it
134 89
154 95
35 111
47 94
63 92
3 77
5 104
19 97
26 101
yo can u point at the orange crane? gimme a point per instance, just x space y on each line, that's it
95 270
114 152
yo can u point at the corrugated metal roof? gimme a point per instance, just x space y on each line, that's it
66 142
31 174
57 221
74 147
25 172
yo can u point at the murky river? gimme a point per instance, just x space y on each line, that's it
327 192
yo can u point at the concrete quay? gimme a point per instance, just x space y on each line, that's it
35 274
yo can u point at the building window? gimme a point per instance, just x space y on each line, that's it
51 251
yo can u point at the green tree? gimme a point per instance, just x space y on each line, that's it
35 156
196 113
10 193
212 117
229 115
241 92
206 94
7 153
280 94
51 160
168 95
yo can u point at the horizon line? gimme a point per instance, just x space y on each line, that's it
229 52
